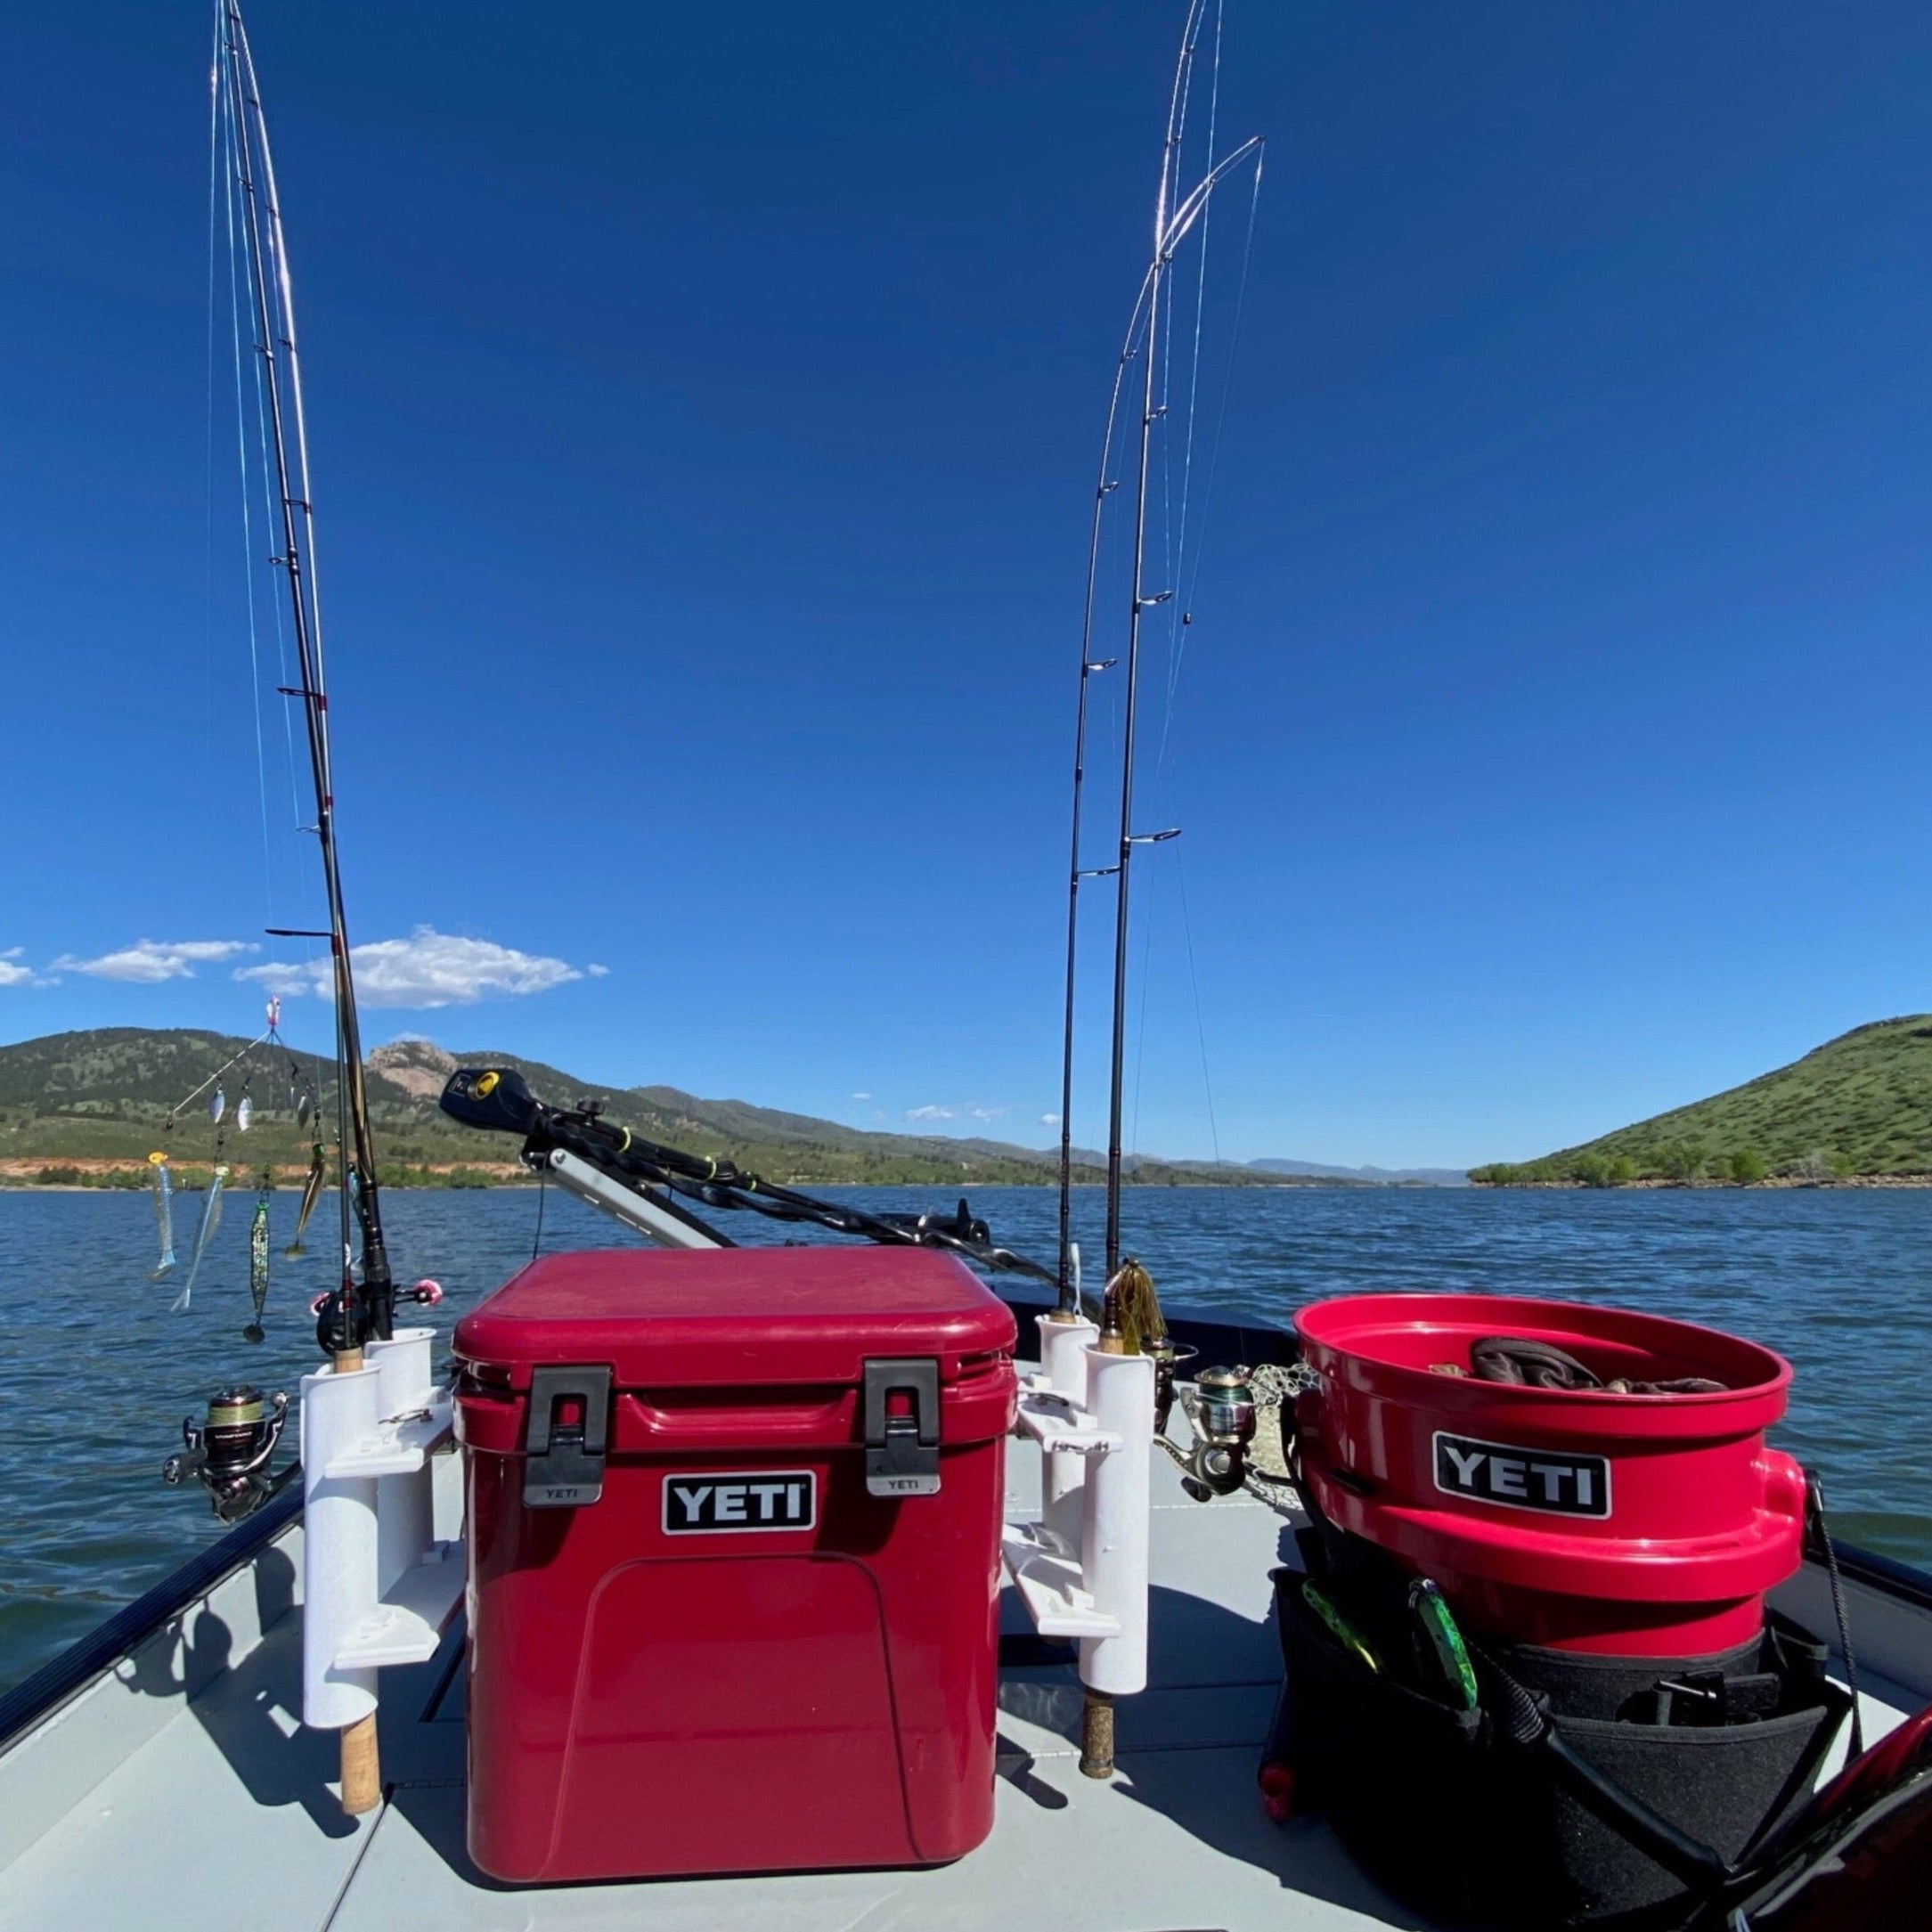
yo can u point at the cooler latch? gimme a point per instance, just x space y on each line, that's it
565 1437
903 1448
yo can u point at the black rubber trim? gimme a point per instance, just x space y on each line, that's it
35 1698
1885 1573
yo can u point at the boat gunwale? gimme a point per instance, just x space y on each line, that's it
64 1676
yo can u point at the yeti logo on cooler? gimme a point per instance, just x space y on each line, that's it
761 1499
1521 1479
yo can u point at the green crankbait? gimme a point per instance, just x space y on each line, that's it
1443 1642
1344 1632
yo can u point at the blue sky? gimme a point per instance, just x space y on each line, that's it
705 403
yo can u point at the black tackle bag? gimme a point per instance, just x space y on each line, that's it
1580 1790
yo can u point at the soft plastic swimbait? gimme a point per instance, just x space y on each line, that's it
211 1215
164 1214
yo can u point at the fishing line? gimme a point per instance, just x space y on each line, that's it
1180 615
1227 378
1140 1035
277 305
248 555
1177 630
240 267
1175 522
208 486
1200 1029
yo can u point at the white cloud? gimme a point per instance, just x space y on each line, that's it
930 1113
861 1097
598 972
12 973
988 1114
1050 1119
149 962
428 969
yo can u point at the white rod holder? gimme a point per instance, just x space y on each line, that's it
340 1543
1062 1356
405 1505
1114 1505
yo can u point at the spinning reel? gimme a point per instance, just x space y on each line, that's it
1223 1418
230 1452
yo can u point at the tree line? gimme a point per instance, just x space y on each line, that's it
1684 1164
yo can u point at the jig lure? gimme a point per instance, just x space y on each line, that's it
258 1265
318 1171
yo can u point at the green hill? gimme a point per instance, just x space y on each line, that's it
87 1108
1859 1106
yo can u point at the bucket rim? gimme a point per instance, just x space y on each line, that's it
1542 1312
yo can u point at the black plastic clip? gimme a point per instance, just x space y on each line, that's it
902 1451
564 1453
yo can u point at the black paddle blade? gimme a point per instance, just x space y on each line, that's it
492 1098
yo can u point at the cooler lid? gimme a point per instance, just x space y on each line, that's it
736 1317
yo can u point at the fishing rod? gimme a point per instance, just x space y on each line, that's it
354 1312
1173 221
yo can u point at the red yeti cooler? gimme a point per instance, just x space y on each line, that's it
734 1561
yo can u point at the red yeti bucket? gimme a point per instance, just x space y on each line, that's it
1627 1524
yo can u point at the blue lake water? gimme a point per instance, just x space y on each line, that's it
95 1374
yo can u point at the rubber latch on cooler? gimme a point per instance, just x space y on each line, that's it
901 1450
565 1437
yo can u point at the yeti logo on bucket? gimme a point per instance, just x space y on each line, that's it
733 1503
1519 1478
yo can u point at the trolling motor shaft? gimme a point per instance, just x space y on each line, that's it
229 1452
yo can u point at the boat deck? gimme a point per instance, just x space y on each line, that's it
181 1792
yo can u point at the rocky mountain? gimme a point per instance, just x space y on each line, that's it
92 1104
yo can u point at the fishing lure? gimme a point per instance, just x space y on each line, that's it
1440 1642
258 1265
1339 1627
318 1171
164 1213
218 1106
211 1215
244 1113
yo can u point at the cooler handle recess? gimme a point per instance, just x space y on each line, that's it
902 1451
564 1448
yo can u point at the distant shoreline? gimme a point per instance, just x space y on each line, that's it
1651 1183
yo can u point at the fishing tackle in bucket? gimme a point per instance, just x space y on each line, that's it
164 1213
